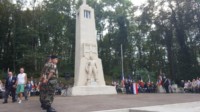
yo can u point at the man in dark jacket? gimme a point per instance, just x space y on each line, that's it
10 87
166 84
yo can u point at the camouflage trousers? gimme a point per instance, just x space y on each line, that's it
47 91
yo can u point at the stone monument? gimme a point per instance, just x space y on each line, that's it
89 77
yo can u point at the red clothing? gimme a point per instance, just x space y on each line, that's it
141 84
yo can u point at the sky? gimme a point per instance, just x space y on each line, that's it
135 2
138 2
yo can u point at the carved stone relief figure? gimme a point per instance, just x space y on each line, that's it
91 71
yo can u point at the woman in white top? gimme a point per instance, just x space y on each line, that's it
1 86
21 81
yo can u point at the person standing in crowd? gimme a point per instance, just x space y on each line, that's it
21 81
153 85
27 90
49 82
32 82
1 89
194 85
127 86
166 84
198 85
1 86
10 87
160 80
182 85
170 86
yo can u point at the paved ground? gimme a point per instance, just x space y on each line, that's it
97 103
180 107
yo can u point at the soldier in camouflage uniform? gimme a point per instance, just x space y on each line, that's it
43 84
48 84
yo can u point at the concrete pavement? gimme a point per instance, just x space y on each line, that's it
98 103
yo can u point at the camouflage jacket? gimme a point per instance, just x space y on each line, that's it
49 68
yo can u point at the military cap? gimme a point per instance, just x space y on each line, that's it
54 56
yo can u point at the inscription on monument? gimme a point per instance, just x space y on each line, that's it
89 50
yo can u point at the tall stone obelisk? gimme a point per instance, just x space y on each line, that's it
89 77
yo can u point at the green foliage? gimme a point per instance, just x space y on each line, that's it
145 75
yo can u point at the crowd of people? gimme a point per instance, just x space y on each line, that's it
162 85
146 87
142 87
191 86
15 86
19 86
31 88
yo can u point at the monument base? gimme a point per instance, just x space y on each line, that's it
92 90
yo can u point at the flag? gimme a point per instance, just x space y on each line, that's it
135 88
122 81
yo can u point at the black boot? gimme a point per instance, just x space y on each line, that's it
50 109
43 107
